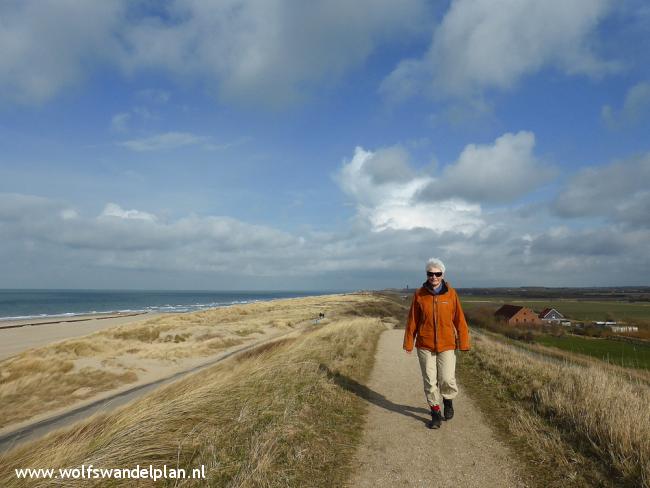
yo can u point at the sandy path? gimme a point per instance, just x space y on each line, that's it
397 449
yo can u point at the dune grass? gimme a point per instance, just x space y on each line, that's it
275 417
581 425
62 374
574 357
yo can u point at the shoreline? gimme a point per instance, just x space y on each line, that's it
13 323
27 307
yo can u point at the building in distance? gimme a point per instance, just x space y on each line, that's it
551 316
517 315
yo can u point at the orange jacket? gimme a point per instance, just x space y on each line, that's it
436 322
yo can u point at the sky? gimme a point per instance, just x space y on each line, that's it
324 145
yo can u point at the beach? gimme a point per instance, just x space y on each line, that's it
50 369
34 318
17 336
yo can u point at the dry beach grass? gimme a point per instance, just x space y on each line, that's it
588 424
276 416
63 374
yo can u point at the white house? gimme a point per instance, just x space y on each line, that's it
551 316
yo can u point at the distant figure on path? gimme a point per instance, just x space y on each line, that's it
437 325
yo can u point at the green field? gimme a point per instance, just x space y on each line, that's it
571 309
620 353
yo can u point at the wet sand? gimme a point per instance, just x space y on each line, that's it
19 335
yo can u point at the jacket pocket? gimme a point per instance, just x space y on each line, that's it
425 330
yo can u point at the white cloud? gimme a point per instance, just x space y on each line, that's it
484 44
492 173
510 248
130 120
636 107
114 210
389 194
372 177
120 122
16 207
617 192
69 214
134 239
48 45
450 215
388 202
249 51
595 242
165 141
267 52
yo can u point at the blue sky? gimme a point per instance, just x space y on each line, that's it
244 144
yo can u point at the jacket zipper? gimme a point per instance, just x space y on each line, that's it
435 324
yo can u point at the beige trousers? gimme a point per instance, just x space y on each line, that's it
438 375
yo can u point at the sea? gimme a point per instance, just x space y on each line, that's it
43 304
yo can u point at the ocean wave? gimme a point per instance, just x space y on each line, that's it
23 305
177 308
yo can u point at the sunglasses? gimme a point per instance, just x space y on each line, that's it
431 273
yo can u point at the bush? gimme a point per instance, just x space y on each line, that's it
520 334
594 331
554 330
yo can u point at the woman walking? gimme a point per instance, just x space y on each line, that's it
437 325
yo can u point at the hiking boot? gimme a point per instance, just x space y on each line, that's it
449 409
436 419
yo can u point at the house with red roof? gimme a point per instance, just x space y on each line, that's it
517 315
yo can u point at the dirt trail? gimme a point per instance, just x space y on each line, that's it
397 449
